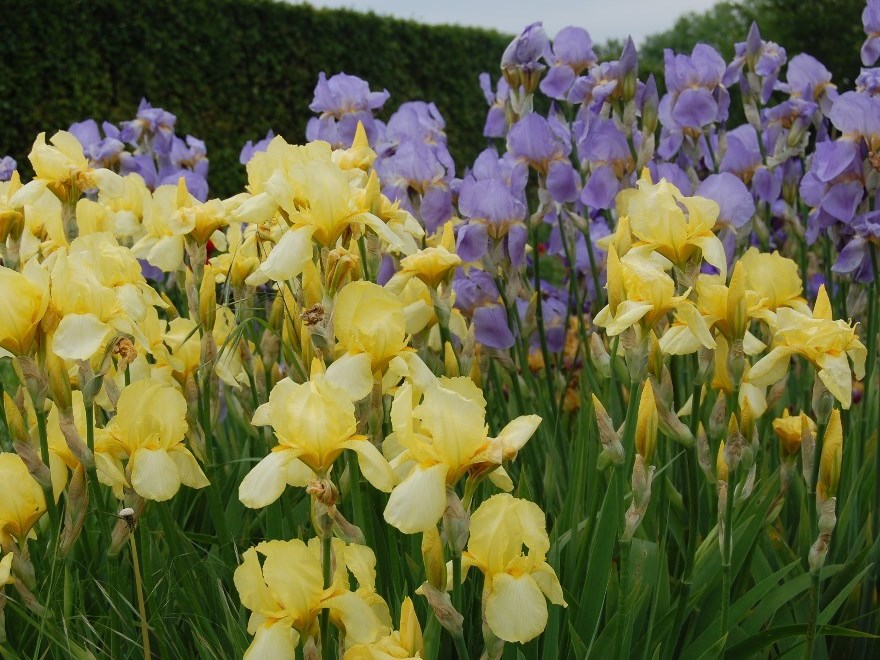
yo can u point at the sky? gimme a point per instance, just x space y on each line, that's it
603 19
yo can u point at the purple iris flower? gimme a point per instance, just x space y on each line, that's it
101 151
342 101
533 140
152 126
743 155
855 257
736 206
572 53
250 148
764 58
476 296
416 120
868 81
521 63
857 115
871 23
696 96
673 173
606 82
786 124
7 167
496 118
414 163
808 79
833 186
604 147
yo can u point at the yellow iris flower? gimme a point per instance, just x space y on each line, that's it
828 344
517 584
286 595
672 224
66 171
24 298
314 423
641 293
437 441
403 644
149 428
790 431
22 503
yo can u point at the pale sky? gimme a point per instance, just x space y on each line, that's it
603 19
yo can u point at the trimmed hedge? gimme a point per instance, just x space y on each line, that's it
229 69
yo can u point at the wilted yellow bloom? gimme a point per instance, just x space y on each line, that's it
437 441
66 171
674 225
314 423
24 298
403 644
517 583
832 456
370 319
286 595
790 430
641 293
22 503
828 344
150 427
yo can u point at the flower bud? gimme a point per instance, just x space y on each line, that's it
456 522
340 264
433 558
647 424
718 417
823 402
612 448
642 479
736 362
704 454
600 357
14 419
208 300
635 349
830 461
827 521
441 604
75 511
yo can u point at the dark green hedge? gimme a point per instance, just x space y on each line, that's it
229 69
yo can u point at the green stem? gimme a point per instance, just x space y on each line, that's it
327 568
623 600
139 589
461 647
542 334
814 615
690 468
456 581
44 454
727 552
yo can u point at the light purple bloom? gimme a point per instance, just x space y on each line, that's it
250 148
7 167
152 126
871 23
764 58
572 53
857 115
604 147
496 118
868 81
533 140
342 101
476 296
526 49
855 256
736 206
808 79
101 151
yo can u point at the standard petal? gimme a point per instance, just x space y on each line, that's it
79 336
274 639
771 368
188 467
287 259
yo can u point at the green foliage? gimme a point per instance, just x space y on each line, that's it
229 69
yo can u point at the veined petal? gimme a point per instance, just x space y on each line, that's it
679 340
154 475
547 581
274 639
251 587
362 626
629 312
418 502
79 336
688 313
836 375
516 610
516 434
